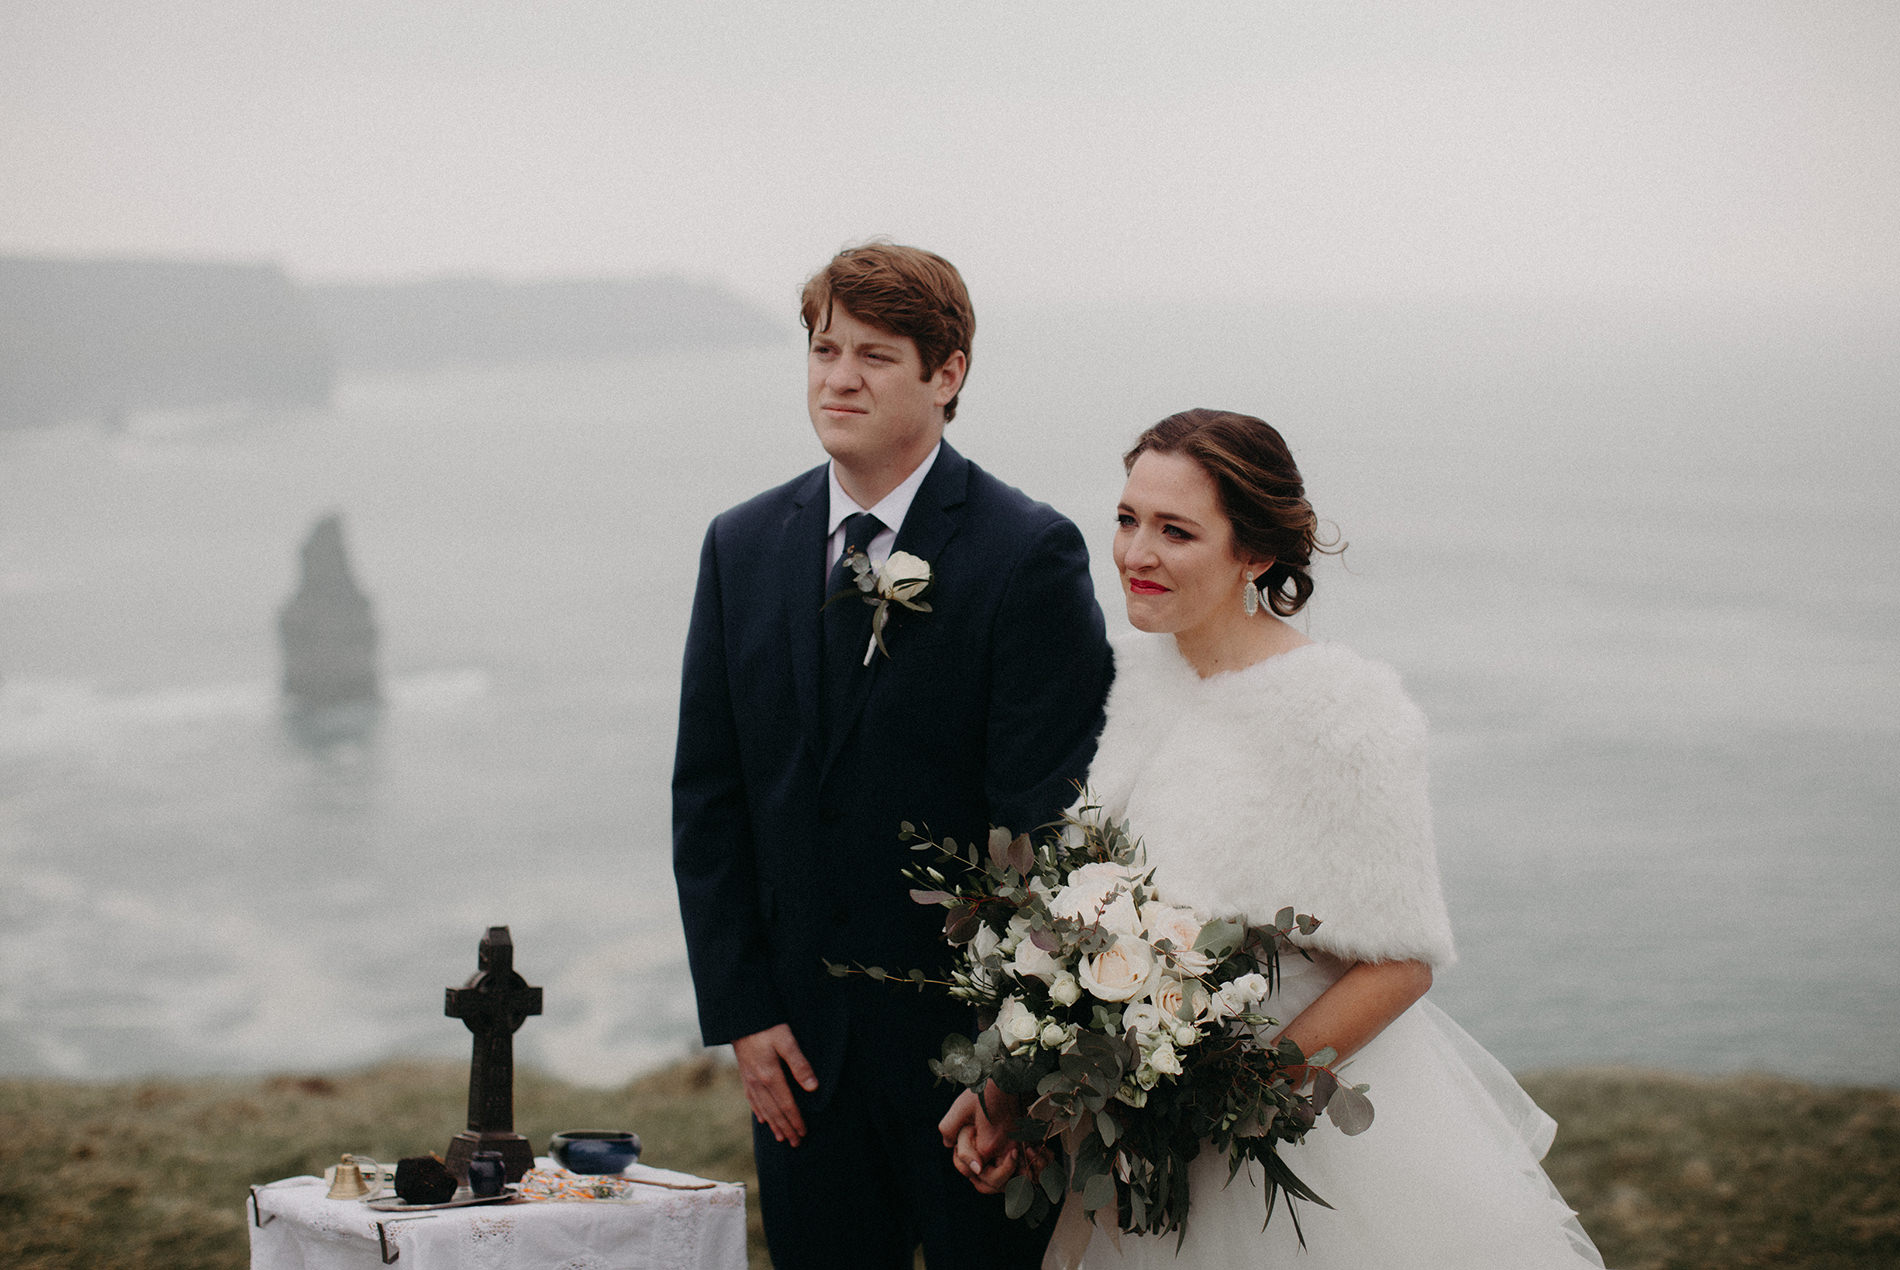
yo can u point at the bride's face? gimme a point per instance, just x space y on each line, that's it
1174 549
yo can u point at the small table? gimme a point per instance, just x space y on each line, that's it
295 1226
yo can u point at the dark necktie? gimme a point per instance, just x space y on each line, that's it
847 621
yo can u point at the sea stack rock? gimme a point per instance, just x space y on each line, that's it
326 628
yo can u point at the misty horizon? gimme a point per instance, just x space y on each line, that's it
1098 152
1579 317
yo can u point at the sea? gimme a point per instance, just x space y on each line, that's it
1638 559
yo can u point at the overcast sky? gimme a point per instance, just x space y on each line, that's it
1055 151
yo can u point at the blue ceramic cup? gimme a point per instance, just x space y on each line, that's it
486 1174
594 1150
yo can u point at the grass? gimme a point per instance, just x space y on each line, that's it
154 1173
1669 1172
1679 1173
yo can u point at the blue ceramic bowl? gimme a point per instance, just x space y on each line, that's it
594 1150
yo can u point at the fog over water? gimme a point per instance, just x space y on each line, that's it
1579 317
1664 714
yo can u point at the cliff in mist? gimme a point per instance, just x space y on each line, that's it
104 338
475 320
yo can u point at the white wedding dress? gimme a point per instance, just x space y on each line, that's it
1300 780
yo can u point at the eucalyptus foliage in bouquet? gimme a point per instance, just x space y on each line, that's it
1129 1030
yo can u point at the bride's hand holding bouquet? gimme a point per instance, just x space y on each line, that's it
1124 1029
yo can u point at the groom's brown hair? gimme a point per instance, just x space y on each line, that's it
905 290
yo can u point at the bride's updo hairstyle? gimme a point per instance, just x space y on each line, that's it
1260 490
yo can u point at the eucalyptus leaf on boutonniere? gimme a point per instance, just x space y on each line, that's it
902 579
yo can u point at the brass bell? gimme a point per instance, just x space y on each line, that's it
349 1183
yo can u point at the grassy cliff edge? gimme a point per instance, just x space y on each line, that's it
1668 1171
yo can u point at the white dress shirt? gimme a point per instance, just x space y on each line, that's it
890 510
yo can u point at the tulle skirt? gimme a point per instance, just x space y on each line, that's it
1447 1177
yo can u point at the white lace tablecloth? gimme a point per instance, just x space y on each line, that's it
653 1229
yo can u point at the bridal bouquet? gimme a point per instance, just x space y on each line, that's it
1129 1029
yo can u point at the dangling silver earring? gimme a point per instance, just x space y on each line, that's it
1249 598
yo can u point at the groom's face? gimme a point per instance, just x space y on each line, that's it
869 399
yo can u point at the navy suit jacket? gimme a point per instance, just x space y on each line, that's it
785 844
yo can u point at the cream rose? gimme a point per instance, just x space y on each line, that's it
1032 962
1120 972
1180 927
1169 997
1065 989
1089 889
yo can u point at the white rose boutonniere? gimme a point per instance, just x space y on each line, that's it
902 579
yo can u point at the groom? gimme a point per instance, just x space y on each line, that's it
803 746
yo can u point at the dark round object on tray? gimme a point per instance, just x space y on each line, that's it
423 1179
594 1150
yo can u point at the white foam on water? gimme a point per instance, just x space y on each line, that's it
617 1010
72 713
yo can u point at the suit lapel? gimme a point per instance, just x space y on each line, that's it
934 515
929 525
802 550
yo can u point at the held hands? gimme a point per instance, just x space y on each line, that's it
764 1059
977 1131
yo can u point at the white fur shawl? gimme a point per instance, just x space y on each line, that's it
1299 780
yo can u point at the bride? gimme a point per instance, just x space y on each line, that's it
1262 769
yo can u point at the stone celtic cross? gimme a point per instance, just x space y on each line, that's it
494 1003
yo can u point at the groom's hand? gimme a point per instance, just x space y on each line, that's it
764 1058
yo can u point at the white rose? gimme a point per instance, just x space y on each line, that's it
1142 1018
1180 927
1120 917
1119 972
903 576
1066 989
1016 1024
983 943
1088 890
1243 994
1054 1035
1032 962
1165 1060
1186 1034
